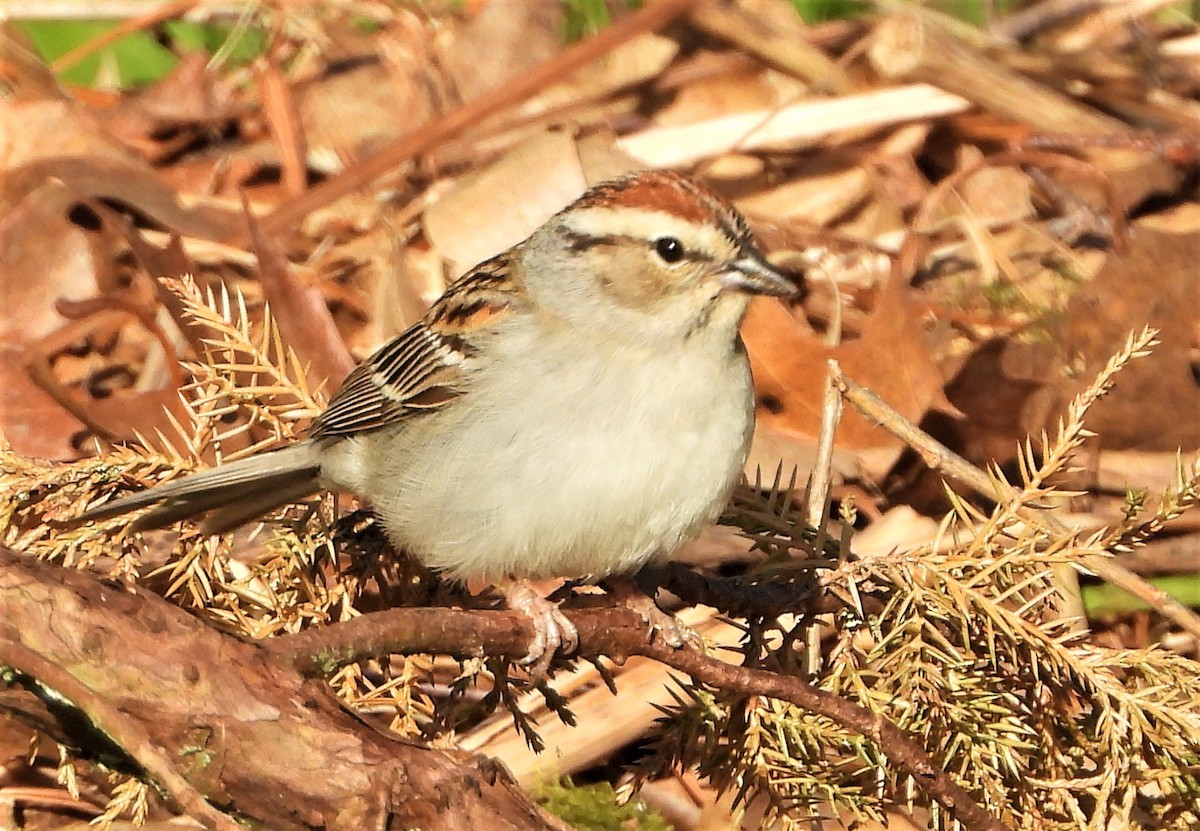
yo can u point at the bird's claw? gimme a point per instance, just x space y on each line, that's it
662 624
674 632
553 631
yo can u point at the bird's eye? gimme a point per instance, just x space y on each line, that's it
669 248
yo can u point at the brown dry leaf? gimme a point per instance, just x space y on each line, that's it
790 128
125 415
23 74
494 209
1155 403
1000 389
351 112
132 183
902 182
636 61
1135 176
53 128
172 113
892 357
191 94
43 257
489 211
777 448
899 529
52 270
819 194
993 195
501 41
746 88
303 318
376 286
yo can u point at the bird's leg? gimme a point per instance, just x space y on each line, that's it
552 630
626 592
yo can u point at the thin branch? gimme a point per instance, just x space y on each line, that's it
614 633
939 457
816 511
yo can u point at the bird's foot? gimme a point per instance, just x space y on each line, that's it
671 629
553 631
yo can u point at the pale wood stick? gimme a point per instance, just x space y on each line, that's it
906 47
786 51
789 127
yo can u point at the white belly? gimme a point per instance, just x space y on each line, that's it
521 477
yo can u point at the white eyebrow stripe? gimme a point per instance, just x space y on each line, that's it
641 223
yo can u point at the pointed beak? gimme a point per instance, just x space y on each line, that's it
752 274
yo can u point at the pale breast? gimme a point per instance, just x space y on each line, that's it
576 467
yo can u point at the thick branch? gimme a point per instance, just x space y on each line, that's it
206 714
125 732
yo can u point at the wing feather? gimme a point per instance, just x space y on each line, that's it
424 367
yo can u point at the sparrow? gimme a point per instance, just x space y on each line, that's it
578 406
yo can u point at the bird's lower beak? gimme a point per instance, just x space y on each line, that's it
754 275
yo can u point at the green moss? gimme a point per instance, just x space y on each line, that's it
595 808
200 757
1002 295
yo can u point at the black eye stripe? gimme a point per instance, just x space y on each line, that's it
579 242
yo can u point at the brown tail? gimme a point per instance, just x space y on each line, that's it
230 494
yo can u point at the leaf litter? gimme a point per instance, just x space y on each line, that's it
978 311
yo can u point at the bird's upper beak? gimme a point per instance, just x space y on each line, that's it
752 274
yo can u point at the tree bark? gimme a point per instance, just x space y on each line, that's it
225 727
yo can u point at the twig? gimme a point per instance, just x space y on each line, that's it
745 596
45 798
816 512
831 415
939 457
1106 20
1038 17
899 746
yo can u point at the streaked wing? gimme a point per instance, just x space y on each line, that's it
424 367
